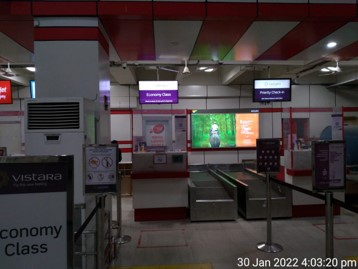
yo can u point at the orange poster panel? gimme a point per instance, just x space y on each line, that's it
247 129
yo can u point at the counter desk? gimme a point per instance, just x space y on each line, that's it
160 186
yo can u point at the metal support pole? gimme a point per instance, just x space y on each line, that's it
100 232
122 239
268 246
329 224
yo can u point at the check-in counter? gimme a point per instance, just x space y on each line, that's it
160 185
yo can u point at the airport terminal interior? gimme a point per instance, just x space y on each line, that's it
167 134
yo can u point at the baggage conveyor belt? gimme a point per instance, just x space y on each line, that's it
251 193
211 197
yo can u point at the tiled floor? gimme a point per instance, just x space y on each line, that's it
228 244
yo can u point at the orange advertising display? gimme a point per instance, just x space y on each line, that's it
247 129
5 92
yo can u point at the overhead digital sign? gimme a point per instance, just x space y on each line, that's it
158 92
272 90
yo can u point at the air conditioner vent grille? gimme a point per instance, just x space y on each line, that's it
53 115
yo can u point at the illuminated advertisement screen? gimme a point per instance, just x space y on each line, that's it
232 129
158 92
5 92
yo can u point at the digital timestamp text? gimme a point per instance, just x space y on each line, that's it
296 263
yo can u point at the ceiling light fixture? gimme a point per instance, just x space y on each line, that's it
209 70
31 68
325 70
331 44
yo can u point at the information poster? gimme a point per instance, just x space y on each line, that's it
268 155
156 134
247 129
101 168
180 133
328 165
36 203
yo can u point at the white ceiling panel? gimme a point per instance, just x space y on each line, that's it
174 40
258 38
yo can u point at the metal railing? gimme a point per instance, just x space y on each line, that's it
103 236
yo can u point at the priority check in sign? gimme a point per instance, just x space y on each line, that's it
36 201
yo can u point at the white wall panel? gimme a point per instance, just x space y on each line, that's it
300 96
119 90
223 91
191 104
318 121
321 97
246 102
246 91
121 127
276 125
247 155
224 103
221 157
266 125
347 97
193 91
134 91
196 157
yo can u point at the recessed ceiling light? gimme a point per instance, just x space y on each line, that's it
331 45
202 68
31 68
325 70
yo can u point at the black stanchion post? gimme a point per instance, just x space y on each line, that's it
329 224
268 246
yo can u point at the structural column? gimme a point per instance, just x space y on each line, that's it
72 60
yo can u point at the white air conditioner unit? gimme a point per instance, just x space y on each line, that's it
61 126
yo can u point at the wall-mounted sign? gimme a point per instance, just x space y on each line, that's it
36 208
328 165
101 165
5 92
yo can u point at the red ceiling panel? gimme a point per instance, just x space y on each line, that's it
72 33
64 8
217 38
231 11
179 11
21 31
15 8
282 12
133 39
347 53
301 37
126 10
333 11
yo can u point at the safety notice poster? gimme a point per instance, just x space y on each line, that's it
101 168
